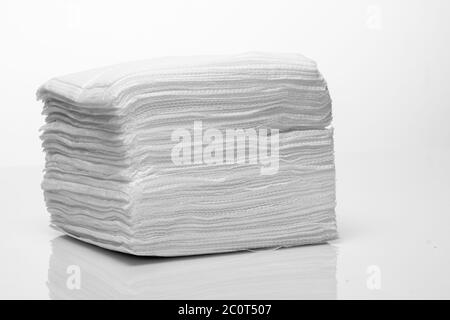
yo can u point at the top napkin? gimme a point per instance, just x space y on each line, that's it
275 83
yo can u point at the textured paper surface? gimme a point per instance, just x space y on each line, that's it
110 178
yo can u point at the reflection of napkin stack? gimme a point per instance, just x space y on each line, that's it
78 271
111 178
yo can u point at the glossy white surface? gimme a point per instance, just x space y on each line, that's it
393 212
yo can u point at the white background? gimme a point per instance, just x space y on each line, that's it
387 66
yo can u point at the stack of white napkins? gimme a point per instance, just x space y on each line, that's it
183 156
